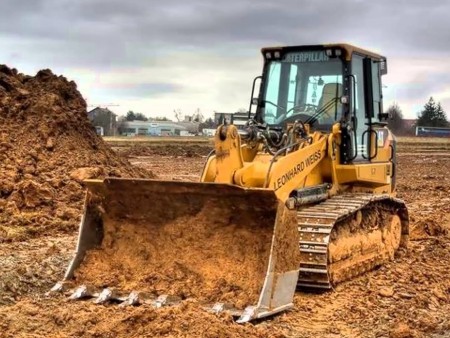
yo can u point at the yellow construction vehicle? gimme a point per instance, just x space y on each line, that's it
302 196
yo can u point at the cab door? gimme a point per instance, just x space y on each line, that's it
361 118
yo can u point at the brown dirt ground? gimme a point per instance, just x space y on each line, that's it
409 297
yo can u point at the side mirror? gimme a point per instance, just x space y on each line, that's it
253 100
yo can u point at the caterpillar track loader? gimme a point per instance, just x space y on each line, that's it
302 195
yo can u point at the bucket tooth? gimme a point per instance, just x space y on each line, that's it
108 294
219 307
61 287
248 314
225 307
165 300
137 298
84 291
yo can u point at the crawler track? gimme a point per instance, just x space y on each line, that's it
348 235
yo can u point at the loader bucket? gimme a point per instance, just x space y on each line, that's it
228 247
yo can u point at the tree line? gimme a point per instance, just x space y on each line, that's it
432 115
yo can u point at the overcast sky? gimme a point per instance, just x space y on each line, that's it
156 56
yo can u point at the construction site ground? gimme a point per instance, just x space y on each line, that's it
409 297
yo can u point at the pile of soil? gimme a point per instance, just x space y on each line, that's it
47 147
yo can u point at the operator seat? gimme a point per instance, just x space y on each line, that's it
330 103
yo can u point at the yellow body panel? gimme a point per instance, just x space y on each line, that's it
315 162
375 173
291 171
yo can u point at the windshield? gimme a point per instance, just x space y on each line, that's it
301 86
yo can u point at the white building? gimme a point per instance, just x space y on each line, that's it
151 128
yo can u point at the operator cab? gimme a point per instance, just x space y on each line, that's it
322 85
303 85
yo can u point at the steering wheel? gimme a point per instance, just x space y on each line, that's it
302 108
295 117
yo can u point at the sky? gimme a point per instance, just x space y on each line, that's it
159 56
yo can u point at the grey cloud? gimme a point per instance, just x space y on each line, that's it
109 35
202 23
140 90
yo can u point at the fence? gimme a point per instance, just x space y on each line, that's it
432 131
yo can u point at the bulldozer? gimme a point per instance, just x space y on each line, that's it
302 195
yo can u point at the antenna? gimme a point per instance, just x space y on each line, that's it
104 105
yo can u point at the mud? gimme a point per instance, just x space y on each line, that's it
285 242
363 241
30 268
409 296
47 147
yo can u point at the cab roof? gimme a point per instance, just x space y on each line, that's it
347 49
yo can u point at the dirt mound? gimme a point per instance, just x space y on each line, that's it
47 146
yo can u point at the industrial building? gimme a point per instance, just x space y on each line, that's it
152 128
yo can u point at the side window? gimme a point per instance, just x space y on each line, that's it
357 71
359 143
281 90
292 87
376 85
273 89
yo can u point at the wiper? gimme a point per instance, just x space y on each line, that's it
273 104
322 110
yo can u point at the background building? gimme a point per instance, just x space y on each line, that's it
104 121
152 128
221 118
239 119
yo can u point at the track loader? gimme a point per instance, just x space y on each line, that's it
301 195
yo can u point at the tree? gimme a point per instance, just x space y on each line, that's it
161 118
178 114
141 117
208 124
441 116
197 116
395 122
432 115
132 116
